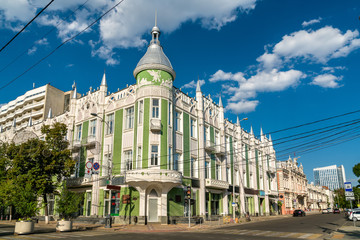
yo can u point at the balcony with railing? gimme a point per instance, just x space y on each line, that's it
218 184
220 149
155 124
153 176
209 146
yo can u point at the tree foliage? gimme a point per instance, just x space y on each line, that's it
68 203
356 171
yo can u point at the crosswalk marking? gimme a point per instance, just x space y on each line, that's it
305 235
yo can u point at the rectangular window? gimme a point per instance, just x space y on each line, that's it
193 127
192 167
228 174
128 160
92 127
170 166
88 203
207 169
207 133
217 139
110 123
139 160
177 121
170 111
129 122
78 132
155 108
154 155
141 111
176 161
217 172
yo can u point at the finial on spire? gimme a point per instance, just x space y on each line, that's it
155 18
261 132
155 32
251 130
237 121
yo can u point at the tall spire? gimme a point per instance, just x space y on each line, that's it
74 96
198 89
220 102
251 130
237 121
103 81
261 132
155 32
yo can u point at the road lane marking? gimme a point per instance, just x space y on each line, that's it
305 235
261 233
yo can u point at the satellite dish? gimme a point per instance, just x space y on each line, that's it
23 136
95 148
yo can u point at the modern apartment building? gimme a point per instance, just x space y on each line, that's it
138 149
332 177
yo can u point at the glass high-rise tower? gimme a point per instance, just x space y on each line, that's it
331 176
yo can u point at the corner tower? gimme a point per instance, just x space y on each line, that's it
154 68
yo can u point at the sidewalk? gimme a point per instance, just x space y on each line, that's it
347 232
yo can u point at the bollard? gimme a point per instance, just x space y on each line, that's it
108 221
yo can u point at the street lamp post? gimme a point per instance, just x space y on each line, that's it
112 143
233 202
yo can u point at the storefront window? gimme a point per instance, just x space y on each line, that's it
115 203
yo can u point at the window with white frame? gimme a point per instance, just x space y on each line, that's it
207 133
176 161
128 159
92 128
207 169
193 132
218 172
155 108
129 118
177 121
154 155
110 123
227 144
141 111
170 165
78 132
170 111
139 157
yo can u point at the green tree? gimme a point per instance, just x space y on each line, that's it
43 164
68 203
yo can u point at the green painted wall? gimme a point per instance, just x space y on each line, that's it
146 77
212 134
164 134
117 142
101 202
197 202
186 141
247 166
232 159
83 152
213 163
174 208
85 205
135 136
209 203
146 132
132 208
257 168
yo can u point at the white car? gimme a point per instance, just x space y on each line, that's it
324 211
354 215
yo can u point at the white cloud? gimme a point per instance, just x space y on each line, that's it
32 50
125 26
42 41
220 75
193 84
320 45
243 106
313 21
332 69
327 81
269 61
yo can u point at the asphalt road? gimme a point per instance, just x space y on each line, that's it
310 227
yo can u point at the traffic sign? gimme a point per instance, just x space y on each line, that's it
350 198
349 194
89 165
348 187
233 204
96 166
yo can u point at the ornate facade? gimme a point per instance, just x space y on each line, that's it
138 149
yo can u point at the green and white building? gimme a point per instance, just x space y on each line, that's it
138 149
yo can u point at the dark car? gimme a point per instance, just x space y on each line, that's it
299 212
336 210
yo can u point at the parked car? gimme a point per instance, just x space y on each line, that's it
354 215
336 210
298 212
325 211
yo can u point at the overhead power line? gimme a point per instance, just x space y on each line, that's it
26 25
59 46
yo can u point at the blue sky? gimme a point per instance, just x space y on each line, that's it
280 63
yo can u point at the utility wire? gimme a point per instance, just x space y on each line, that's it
47 33
26 25
63 43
